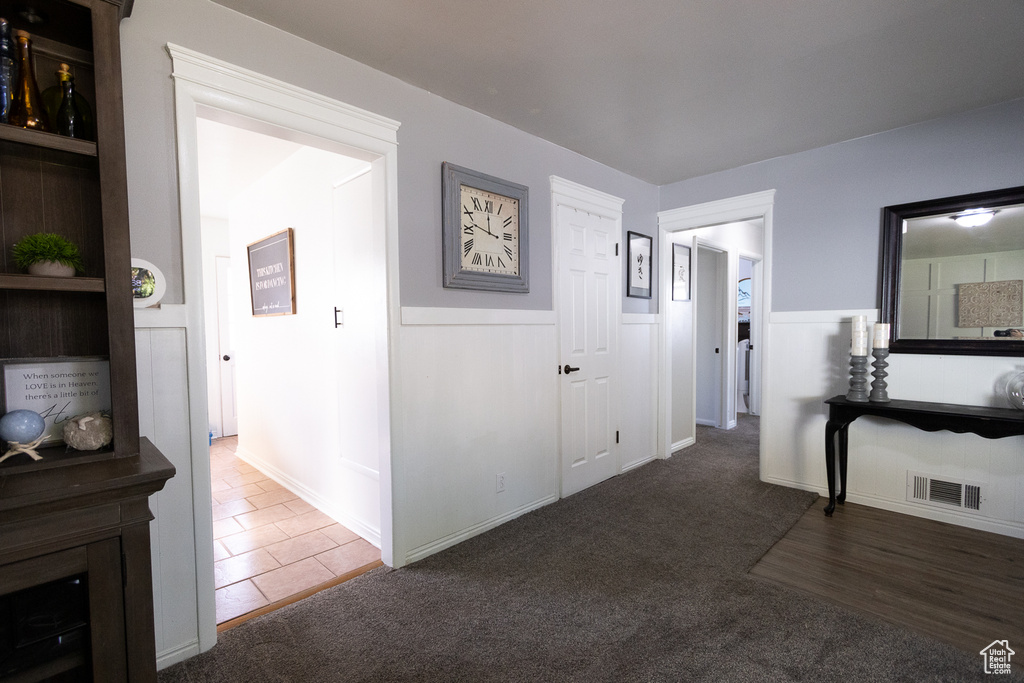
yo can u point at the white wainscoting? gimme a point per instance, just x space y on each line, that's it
639 348
160 347
477 400
810 362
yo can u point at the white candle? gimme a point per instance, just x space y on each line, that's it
859 345
881 340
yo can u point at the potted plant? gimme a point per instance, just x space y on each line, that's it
47 254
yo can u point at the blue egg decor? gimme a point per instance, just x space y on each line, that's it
21 426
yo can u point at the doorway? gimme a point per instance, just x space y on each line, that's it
212 89
277 499
740 228
710 336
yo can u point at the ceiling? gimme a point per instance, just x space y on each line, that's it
666 90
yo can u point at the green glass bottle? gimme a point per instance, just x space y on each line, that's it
54 96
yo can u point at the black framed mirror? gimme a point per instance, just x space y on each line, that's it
953 274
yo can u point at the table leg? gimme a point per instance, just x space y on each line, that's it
830 464
844 440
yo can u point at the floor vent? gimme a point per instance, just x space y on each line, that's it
922 488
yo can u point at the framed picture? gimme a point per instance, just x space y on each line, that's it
272 274
148 283
640 265
680 273
484 231
59 389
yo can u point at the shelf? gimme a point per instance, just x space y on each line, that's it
38 138
52 284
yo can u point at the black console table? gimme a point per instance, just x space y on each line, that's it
991 423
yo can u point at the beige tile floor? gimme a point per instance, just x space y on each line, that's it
269 544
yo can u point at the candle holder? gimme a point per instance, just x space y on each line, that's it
858 379
878 386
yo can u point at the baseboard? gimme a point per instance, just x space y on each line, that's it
638 463
707 423
367 532
685 443
971 521
177 654
456 538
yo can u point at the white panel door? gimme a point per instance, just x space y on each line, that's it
228 411
589 295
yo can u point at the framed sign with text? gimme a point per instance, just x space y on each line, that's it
272 274
59 389
640 266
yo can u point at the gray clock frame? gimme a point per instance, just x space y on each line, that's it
455 277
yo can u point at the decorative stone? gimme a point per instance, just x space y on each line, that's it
88 432
21 426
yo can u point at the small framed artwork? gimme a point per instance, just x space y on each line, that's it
680 273
640 266
59 389
148 283
272 274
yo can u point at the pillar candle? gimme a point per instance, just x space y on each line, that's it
881 340
859 346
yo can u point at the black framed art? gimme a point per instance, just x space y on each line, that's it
639 265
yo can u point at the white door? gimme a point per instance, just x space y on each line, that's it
709 305
226 365
589 295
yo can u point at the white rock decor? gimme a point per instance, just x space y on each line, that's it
88 432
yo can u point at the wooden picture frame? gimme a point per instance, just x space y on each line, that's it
680 273
639 265
483 217
272 274
59 389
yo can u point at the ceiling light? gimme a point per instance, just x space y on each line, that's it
972 218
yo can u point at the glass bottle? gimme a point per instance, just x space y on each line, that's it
27 110
54 95
7 71
69 119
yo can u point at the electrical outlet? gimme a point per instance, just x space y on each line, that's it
499 482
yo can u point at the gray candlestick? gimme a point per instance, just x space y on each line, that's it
858 379
878 386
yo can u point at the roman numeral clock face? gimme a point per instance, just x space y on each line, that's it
490 232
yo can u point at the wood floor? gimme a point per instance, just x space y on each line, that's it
958 585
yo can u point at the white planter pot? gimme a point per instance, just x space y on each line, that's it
51 269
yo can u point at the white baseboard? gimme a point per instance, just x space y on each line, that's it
177 654
456 538
706 423
638 463
685 443
320 503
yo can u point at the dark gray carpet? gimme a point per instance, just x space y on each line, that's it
641 578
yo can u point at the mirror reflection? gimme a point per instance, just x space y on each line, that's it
953 274
963 275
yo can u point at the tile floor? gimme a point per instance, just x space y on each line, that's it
268 543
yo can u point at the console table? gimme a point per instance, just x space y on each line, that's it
991 423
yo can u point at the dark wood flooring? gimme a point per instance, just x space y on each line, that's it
958 585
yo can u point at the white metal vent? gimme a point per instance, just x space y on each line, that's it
924 488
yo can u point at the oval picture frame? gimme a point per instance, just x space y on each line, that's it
148 283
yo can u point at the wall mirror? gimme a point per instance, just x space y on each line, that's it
953 274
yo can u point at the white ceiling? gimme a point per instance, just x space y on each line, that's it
666 90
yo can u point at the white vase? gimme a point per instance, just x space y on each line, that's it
51 269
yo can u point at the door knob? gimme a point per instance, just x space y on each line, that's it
569 369
227 357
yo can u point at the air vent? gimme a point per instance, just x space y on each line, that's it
923 488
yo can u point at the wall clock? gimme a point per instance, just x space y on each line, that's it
484 231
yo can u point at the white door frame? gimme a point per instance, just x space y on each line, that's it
204 84
756 315
745 207
573 195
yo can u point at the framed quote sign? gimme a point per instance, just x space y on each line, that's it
59 389
640 267
272 274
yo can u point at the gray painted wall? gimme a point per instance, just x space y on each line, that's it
433 130
828 201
